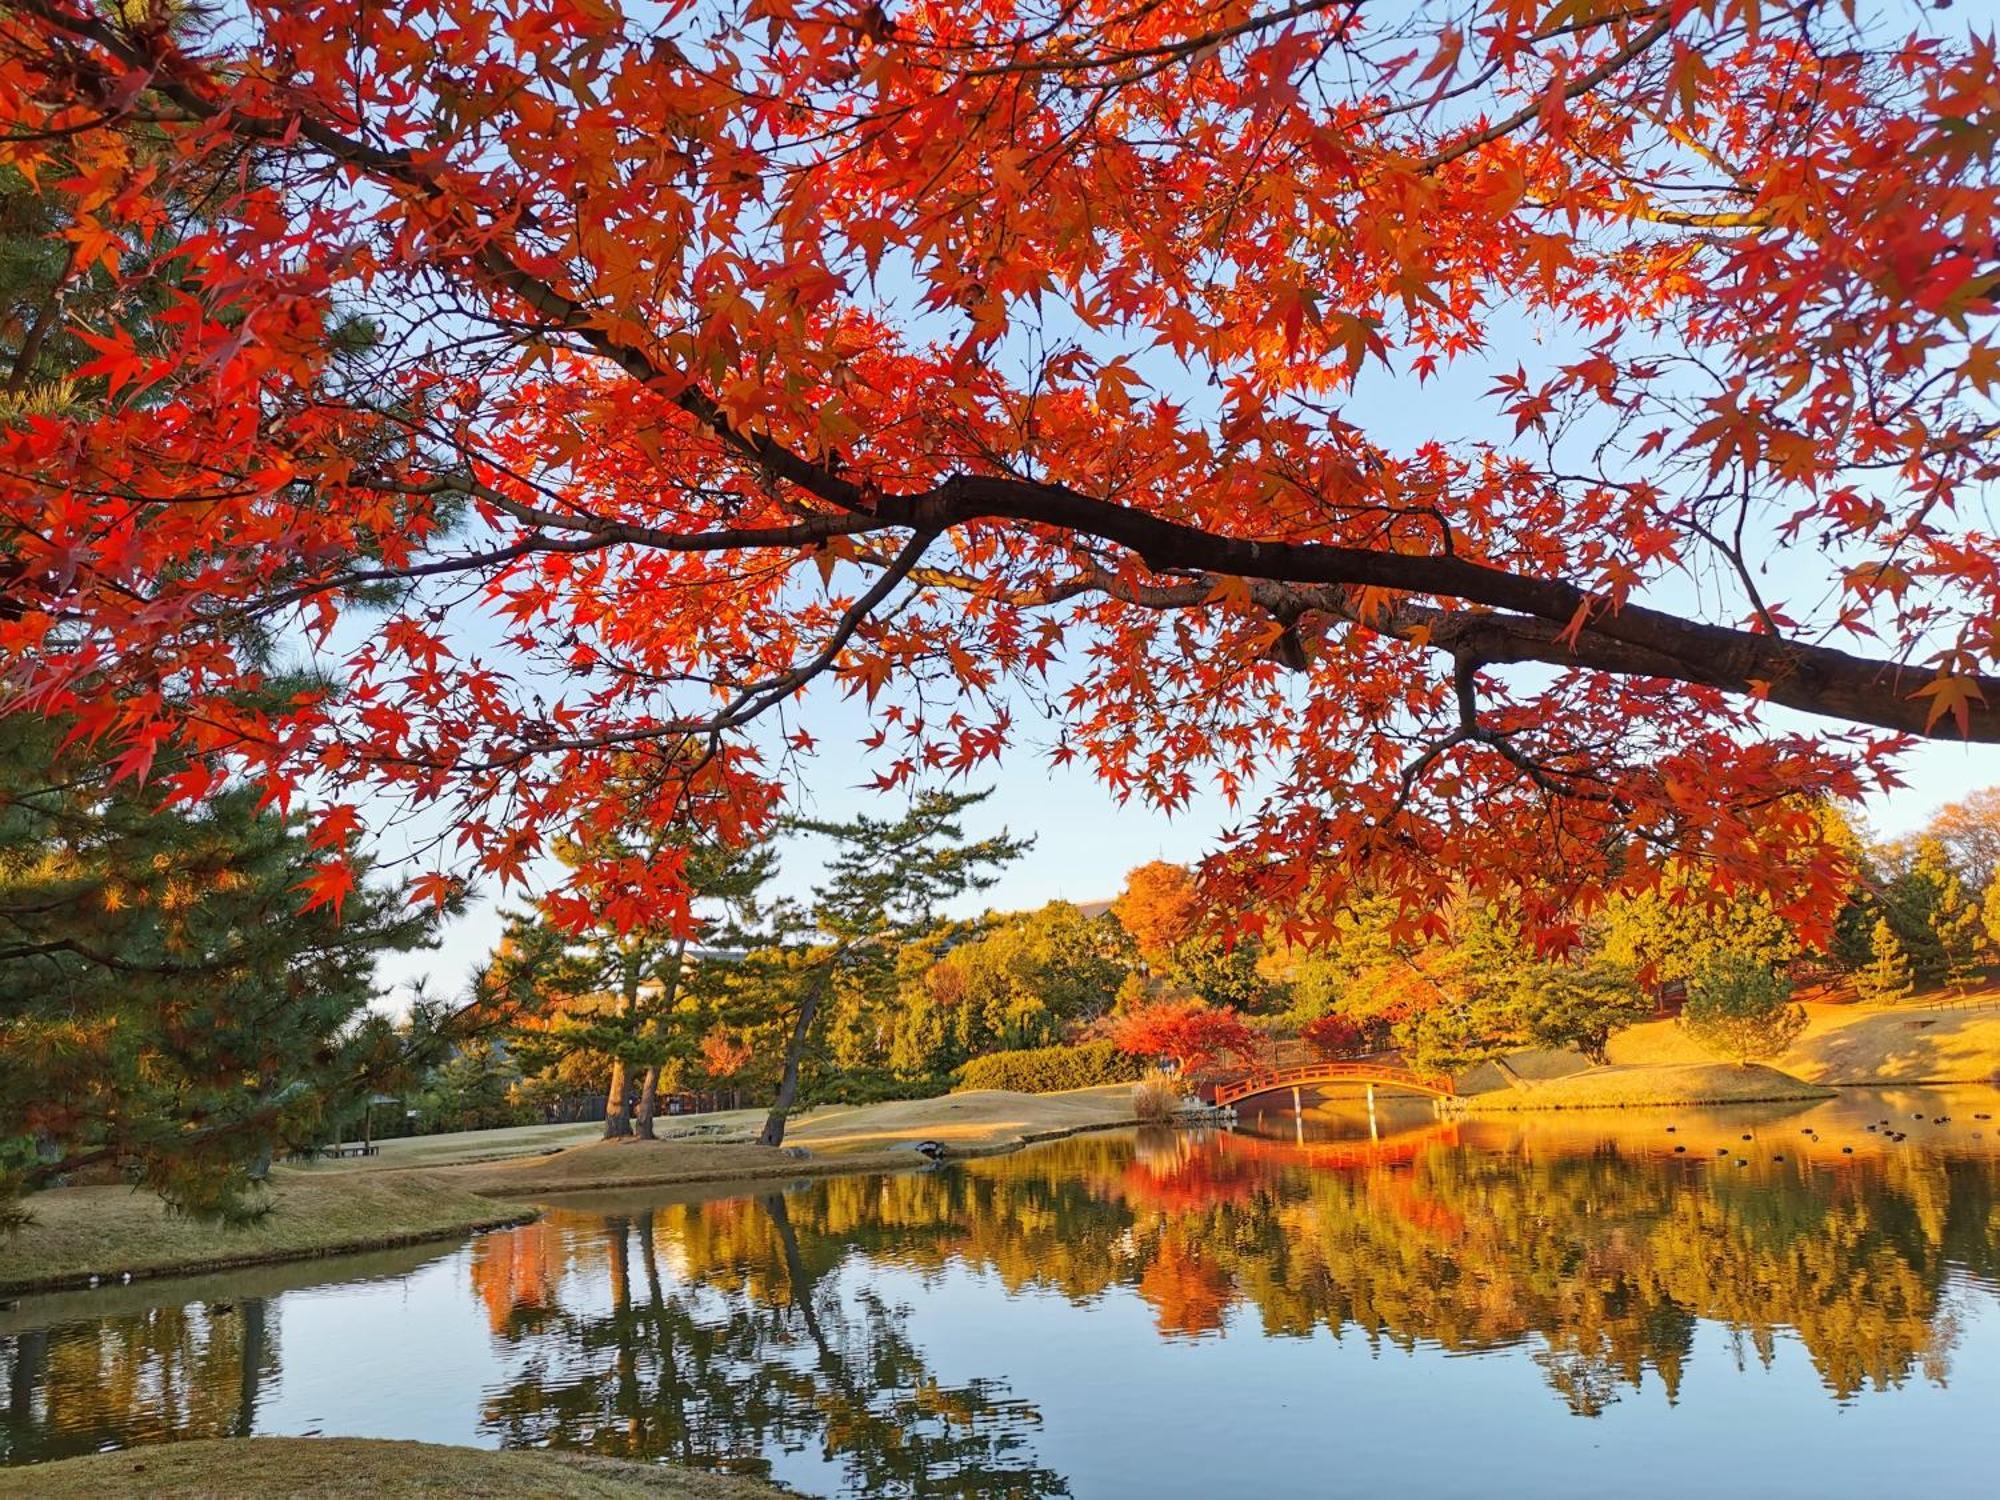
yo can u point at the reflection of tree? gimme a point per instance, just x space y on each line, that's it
1603 1260
743 1347
719 1334
169 1372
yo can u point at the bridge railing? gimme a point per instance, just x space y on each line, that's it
1225 1089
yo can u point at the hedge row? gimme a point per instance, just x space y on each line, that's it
1050 1070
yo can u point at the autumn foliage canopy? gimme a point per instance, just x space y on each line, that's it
1507 443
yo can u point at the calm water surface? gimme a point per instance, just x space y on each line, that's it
1554 1307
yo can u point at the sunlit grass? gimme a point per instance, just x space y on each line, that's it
74 1233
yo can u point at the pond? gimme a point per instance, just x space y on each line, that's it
1548 1306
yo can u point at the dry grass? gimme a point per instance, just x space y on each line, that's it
271 1468
76 1233
637 1163
1628 1087
1155 1100
977 1123
1915 1042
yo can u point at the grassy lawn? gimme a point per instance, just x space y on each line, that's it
860 1138
1923 1040
280 1468
108 1231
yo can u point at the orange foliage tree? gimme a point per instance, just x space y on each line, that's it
1159 907
1138 358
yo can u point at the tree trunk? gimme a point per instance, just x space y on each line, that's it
773 1133
649 1088
649 1103
617 1113
617 1120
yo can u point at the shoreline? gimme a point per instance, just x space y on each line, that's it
1646 1086
454 1188
334 1209
252 1468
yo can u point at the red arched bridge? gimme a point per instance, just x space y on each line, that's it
1231 1088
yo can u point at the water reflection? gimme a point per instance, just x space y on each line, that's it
810 1334
716 1337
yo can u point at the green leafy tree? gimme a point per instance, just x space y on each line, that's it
1886 976
1741 1008
1686 923
1577 1005
1219 972
1027 979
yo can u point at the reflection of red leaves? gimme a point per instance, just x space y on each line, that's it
1188 1182
512 1270
1436 1220
1190 1295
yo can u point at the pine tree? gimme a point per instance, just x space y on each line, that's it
884 886
1887 975
1956 922
611 995
165 1005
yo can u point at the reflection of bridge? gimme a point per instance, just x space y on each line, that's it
1341 1156
1231 1088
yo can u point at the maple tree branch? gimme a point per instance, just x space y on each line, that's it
1662 24
1541 620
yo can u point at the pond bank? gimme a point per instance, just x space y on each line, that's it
271 1468
1643 1087
332 1208
111 1233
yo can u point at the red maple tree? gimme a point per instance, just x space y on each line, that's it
962 352
1190 1032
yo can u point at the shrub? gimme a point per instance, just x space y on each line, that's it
1741 1008
1156 1100
1050 1070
